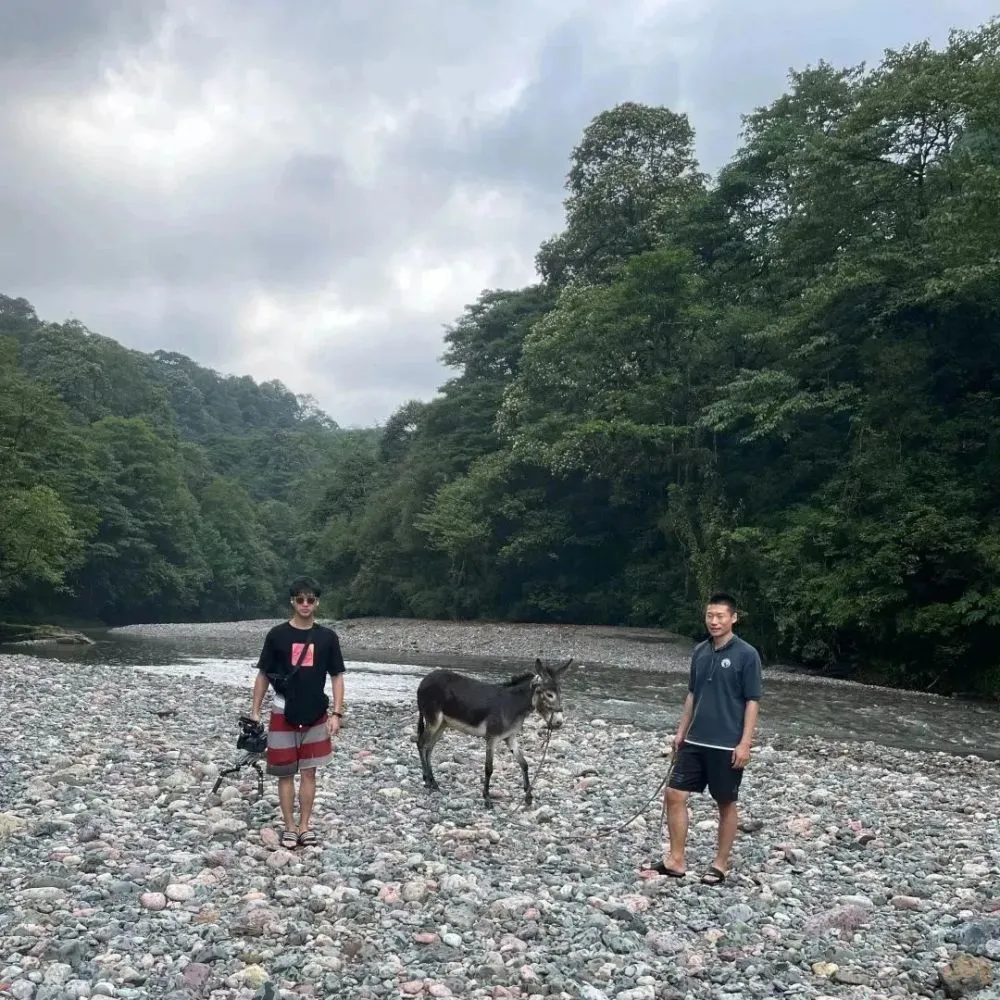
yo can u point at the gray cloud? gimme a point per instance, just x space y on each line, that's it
312 191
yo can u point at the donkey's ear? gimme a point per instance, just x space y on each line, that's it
539 666
558 671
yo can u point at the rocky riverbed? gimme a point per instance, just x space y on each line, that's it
862 871
634 648
421 641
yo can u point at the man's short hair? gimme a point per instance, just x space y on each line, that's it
721 597
303 585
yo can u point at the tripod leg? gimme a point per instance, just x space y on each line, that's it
222 774
260 780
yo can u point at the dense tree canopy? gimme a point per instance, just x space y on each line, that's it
139 487
783 381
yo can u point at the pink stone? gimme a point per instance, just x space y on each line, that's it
153 900
531 913
269 838
800 825
425 937
389 894
636 904
196 975
412 988
439 990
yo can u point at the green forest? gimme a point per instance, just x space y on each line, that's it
783 380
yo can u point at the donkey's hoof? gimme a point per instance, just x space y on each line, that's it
528 800
487 803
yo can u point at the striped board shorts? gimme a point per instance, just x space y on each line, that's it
294 748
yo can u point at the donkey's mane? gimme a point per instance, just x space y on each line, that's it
518 680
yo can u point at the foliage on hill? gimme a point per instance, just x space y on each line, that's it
784 381
138 487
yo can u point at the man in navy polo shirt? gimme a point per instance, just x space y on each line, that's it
714 736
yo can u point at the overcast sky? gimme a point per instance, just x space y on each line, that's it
311 189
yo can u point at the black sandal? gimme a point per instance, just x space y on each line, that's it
307 838
289 840
714 876
661 869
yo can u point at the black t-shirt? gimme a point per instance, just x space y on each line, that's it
317 652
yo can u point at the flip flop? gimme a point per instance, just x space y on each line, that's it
289 840
307 838
714 876
661 869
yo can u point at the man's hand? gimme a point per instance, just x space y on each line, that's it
741 755
678 741
255 714
333 724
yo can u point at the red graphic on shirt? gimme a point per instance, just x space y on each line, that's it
307 660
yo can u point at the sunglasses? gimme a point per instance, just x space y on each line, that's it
305 600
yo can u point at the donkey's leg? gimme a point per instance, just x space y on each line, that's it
514 743
428 736
490 744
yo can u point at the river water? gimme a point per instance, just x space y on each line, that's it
791 707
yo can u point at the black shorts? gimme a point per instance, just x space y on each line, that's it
697 767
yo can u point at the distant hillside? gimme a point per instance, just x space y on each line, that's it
144 486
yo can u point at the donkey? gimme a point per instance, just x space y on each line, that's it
447 699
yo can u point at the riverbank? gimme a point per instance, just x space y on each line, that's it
123 875
636 649
426 642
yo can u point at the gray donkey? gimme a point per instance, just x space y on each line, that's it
450 700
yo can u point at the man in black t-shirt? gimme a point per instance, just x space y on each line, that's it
295 661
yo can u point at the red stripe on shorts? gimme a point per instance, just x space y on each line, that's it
302 753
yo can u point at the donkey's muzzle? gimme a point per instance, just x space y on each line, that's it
554 721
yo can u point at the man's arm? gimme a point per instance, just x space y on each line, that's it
752 686
335 668
260 685
261 682
338 695
750 714
685 720
741 754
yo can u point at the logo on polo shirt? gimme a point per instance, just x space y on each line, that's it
726 663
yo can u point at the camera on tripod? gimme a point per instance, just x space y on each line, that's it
252 740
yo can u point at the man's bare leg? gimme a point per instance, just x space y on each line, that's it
286 799
677 828
728 822
307 795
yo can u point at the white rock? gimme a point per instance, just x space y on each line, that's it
57 973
